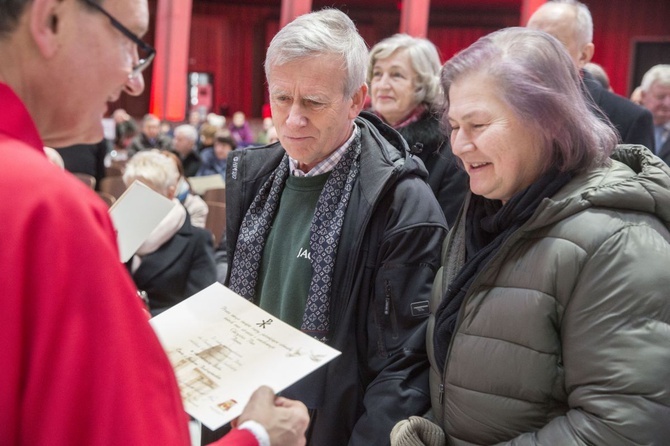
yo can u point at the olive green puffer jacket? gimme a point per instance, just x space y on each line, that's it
564 339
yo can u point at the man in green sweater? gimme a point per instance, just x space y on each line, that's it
334 230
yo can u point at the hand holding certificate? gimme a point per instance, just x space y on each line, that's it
223 347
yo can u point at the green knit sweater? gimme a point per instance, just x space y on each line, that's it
286 270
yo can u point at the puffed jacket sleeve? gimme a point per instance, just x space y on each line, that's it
615 335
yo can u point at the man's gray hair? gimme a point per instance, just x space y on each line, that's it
188 131
658 73
329 31
150 118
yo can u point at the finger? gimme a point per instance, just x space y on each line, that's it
290 404
263 395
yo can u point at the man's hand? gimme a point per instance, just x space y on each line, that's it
285 420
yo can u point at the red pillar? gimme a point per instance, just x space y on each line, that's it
528 7
290 9
170 68
414 17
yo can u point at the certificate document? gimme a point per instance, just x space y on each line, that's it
223 347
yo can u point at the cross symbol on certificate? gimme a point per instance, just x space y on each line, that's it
263 323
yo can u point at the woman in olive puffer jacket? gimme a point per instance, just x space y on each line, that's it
551 313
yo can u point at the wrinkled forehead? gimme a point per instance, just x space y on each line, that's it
320 75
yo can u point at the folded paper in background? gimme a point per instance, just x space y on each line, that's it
135 215
223 347
200 185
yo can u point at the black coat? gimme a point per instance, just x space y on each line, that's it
191 163
448 181
635 124
664 153
180 268
141 142
387 256
86 158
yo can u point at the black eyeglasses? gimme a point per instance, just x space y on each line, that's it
145 49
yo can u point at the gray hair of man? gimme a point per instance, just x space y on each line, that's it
150 118
425 60
328 31
536 78
187 131
658 73
584 25
155 170
599 74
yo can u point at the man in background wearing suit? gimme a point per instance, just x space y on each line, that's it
571 23
656 98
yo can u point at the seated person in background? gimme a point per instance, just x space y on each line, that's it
214 161
166 129
177 260
208 132
126 131
195 206
195 118
272 135
86 158
263 136
184 144
240 130
403 75
150 137
218 121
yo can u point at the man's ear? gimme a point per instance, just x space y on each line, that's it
44 22
358 101
643 95
586 54
171 192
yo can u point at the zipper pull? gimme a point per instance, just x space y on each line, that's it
441 397
387 301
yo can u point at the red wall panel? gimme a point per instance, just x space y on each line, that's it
229 40
615 24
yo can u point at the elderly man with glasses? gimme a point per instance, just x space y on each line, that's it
81 363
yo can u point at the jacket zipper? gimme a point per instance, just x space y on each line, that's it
388 307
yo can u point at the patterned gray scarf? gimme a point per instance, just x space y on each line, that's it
325 231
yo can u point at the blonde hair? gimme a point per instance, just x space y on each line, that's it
153 169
